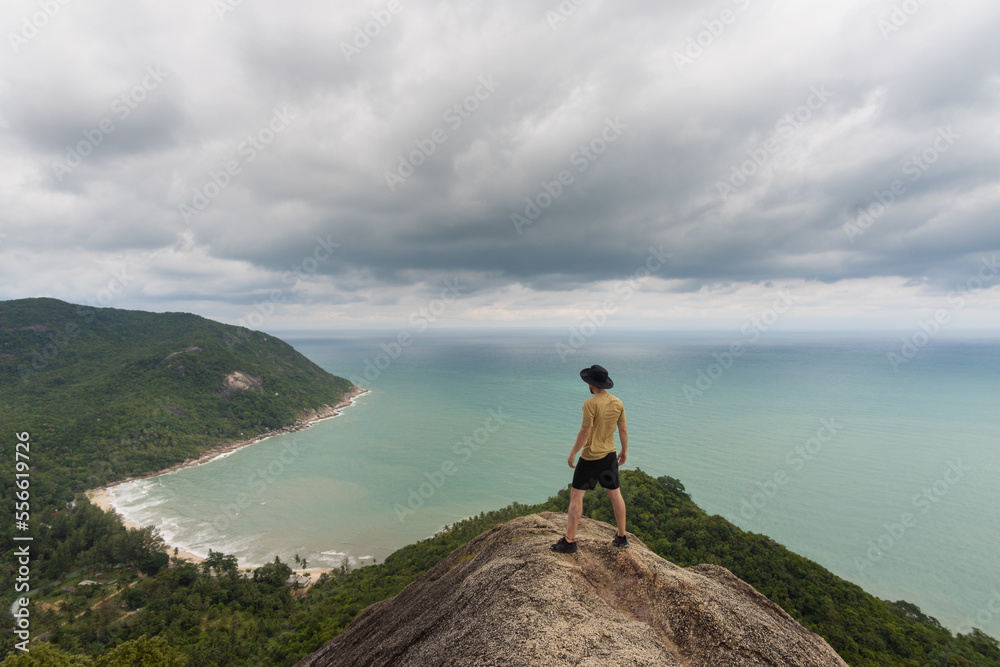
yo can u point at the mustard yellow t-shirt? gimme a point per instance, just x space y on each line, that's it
601 413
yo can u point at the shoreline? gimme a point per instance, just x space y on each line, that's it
101 496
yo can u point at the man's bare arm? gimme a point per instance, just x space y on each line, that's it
581 439
623 436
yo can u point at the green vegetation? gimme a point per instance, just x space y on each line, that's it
213 614
864 630
106 394
145 651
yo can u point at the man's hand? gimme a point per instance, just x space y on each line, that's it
623 436
581 440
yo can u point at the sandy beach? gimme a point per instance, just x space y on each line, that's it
101 497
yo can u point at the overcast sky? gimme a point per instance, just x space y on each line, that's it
517 163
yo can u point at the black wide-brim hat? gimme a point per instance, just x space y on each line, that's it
597 376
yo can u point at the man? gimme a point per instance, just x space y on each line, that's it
602 414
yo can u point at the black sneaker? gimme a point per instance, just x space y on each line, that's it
620 541
564 547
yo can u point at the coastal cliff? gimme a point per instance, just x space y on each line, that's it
504 598
118 394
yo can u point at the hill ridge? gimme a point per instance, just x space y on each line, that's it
117 394
504 598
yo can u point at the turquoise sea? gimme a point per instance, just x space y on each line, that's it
886 476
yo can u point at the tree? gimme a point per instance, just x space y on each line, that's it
43 654
220 563
135 598
275 574
185 574
155 563
155 652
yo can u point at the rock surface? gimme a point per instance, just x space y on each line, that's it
505 599
237 381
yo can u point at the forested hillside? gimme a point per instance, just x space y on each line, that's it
213 615
107 393
102 394
99 394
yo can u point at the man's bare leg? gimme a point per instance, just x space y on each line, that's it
618 503
575 512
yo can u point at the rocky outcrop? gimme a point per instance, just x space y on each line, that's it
192 348
237 381
505 598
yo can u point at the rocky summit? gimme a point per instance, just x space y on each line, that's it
505 598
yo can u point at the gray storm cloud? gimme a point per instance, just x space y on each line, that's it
545 146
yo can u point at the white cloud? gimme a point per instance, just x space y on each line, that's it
323 175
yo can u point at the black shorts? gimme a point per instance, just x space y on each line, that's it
589 473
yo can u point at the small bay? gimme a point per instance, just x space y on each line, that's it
886 476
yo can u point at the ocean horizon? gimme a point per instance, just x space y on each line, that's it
880 468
